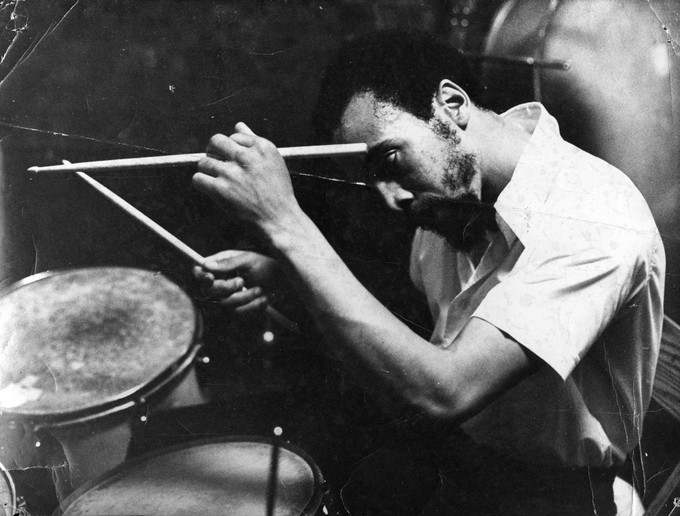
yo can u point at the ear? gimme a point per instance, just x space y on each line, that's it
453 102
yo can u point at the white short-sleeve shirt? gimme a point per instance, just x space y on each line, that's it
575 276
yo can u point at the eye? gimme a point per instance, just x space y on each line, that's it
390 164
384 163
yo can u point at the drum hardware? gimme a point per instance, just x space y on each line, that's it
526 61
202 359
554 64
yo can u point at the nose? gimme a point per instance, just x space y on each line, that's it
394 195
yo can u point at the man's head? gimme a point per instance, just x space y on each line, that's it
402 68
402 95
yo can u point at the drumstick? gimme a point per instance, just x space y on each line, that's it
140 217
170 239
273 471
305 152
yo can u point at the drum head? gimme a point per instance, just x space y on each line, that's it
207 477
85 338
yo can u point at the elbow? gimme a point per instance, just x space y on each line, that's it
444 404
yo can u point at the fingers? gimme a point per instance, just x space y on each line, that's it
203 276
257 305
211 287
245 139
234 261
223 147
230 292
233 147
243 299
224 157
214 280
211 171
224 261
232 287
227 262
205 182
243 129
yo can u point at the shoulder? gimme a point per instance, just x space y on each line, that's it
566 200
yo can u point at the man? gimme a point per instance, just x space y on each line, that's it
542 267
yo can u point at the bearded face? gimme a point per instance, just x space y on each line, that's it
458 216
420 167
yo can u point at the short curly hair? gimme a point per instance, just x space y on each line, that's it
403 68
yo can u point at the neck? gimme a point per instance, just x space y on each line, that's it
501 144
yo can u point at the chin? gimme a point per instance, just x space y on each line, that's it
463 221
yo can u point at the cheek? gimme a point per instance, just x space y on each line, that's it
425 171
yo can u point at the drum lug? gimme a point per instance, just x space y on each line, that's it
142 410
202 360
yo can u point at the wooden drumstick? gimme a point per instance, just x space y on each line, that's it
170 238
140 217
274 471
304 152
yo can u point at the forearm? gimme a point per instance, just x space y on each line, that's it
374 344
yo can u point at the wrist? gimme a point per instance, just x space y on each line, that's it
288 233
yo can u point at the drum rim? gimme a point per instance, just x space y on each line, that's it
12 488
124 400
39 276
102 481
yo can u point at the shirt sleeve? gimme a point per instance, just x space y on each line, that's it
563 292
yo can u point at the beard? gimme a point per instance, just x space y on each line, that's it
463 222
461 219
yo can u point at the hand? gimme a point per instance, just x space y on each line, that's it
238 280
245 174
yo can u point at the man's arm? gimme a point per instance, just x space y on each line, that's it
449 383
245 174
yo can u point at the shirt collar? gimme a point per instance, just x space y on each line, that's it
534 174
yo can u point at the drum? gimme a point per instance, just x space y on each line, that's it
216 476
7 493
86 353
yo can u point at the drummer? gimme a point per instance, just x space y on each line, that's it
542 267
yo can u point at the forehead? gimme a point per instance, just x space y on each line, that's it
369 120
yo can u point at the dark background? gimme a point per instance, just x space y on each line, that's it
94 80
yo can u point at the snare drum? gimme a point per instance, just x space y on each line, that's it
87 352
216 476
7 493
